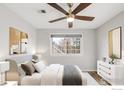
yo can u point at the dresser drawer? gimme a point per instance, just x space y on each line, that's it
108 67
108 74
105 68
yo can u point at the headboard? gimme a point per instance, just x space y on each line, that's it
12 74
21 58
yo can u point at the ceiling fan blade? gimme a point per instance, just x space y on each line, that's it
70 24
86 18
80 7
56 6
58 19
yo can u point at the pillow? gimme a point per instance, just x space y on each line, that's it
39 66
36 58
28 68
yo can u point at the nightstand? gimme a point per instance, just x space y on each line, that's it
11 83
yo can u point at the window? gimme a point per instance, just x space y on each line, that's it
65 44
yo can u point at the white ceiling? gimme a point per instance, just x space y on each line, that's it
102 12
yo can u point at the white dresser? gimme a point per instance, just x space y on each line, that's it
112 73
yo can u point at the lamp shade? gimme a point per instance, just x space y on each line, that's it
4 66
70 19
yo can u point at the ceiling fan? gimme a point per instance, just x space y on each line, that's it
71 15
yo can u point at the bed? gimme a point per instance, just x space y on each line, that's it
54 74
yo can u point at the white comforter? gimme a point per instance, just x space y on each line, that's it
51 75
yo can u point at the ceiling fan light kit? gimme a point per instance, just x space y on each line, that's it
71 15
70 18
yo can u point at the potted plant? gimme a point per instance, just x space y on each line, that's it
113 57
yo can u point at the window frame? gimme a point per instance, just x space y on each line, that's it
81 45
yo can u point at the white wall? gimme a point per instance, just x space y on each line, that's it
102 35
87 60
10 19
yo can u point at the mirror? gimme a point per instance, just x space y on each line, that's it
18 41
115 43
24 42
